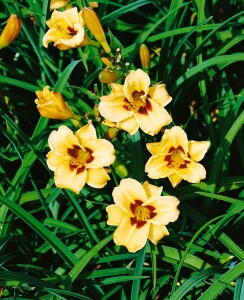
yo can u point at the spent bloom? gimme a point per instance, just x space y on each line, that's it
136 104
51 105
140 213
176 158
79 158
10 31
66 30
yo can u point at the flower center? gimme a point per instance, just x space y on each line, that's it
141 213
140 103
78 157
175 159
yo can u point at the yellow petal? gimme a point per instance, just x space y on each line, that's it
62 139
97 178
115 214
111 107
131 237
194 172
102 151
152 190
154 148
175 179
174 137
165 208
130 125
159 94
67 179
154 120
54 159
128 191
86 133
197 150
157 232
136 81
156 167
52 35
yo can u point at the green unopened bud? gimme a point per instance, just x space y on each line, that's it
120 169
144 56
96 111
94 25
108 76
112 133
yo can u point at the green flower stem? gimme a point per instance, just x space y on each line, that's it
137 162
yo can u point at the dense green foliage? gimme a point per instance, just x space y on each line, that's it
55 244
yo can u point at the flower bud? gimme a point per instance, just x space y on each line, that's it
112 133
10 31
145 57
96 111
107 62
93 24
107 76
120 169
51 105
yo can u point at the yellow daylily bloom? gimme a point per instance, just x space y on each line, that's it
79 158
51 105
136 105
10 31
140 213
176 158
66 30
56 4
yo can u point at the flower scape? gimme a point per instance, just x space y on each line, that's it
131 198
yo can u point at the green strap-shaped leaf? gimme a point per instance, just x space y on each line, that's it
47 235
220 284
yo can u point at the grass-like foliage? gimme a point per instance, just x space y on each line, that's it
56 243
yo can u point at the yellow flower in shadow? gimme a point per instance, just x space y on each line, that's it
10 31
176 158
140 213
51 105
56 4
136 105
66 30
79 158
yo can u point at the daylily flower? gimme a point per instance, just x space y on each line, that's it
56 4
51 105
141 213
79 158
10 31
67 30
176 157
136 105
